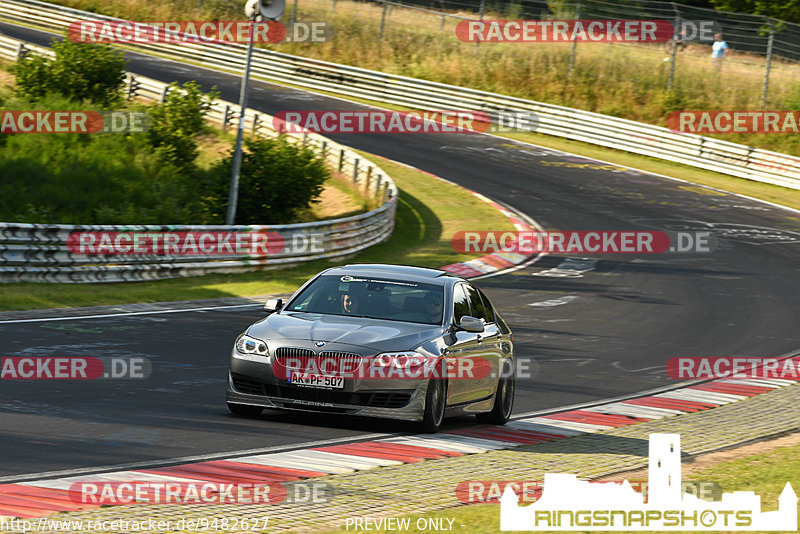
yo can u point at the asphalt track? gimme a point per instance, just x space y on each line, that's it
593 328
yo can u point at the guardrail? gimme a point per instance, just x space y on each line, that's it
694 150
40 252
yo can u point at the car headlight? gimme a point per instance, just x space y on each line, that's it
401 360
251 348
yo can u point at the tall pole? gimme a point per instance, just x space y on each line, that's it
233 192
765 87
294 13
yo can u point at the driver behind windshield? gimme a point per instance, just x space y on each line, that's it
433 309
349 304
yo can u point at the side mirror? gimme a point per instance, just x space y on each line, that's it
273 305
471 324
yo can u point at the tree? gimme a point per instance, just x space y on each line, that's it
278 180
79 71
788 10
176 123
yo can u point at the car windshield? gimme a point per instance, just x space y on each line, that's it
362 296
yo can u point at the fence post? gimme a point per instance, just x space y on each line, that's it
294 14
256 119
574 43
383 23
324 150
225 115
164 94
355 171
676 34
481 12
22 51
341 159
133 86
765 88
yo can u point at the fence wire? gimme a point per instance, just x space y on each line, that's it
751 37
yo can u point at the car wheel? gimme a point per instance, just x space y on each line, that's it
503 400
244 409
435 405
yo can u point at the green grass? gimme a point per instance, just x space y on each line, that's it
770 193
621 80
429 212
765 474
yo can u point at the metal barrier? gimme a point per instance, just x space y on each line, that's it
694 150
40 252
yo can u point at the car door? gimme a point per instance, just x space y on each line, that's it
461 354
489 354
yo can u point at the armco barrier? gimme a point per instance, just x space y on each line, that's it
39 252
694 150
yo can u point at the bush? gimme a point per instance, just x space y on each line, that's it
79 71
278 180
89 178
176 123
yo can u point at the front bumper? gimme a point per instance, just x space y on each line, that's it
382 400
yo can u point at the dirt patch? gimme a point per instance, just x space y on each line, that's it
703 461
6 78
333 203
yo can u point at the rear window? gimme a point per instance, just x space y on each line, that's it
376 298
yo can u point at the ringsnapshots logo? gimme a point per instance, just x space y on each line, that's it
73 122
570 242
569 504
198 32
405 122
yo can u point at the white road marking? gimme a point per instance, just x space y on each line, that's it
570 268
560 301
126 314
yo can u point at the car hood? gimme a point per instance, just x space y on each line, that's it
372 333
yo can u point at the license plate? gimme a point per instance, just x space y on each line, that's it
316 381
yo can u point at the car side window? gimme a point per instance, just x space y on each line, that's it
487 306
478 309
460 303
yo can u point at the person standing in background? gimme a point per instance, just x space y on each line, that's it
719 50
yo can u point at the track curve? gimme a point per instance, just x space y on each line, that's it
607 329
